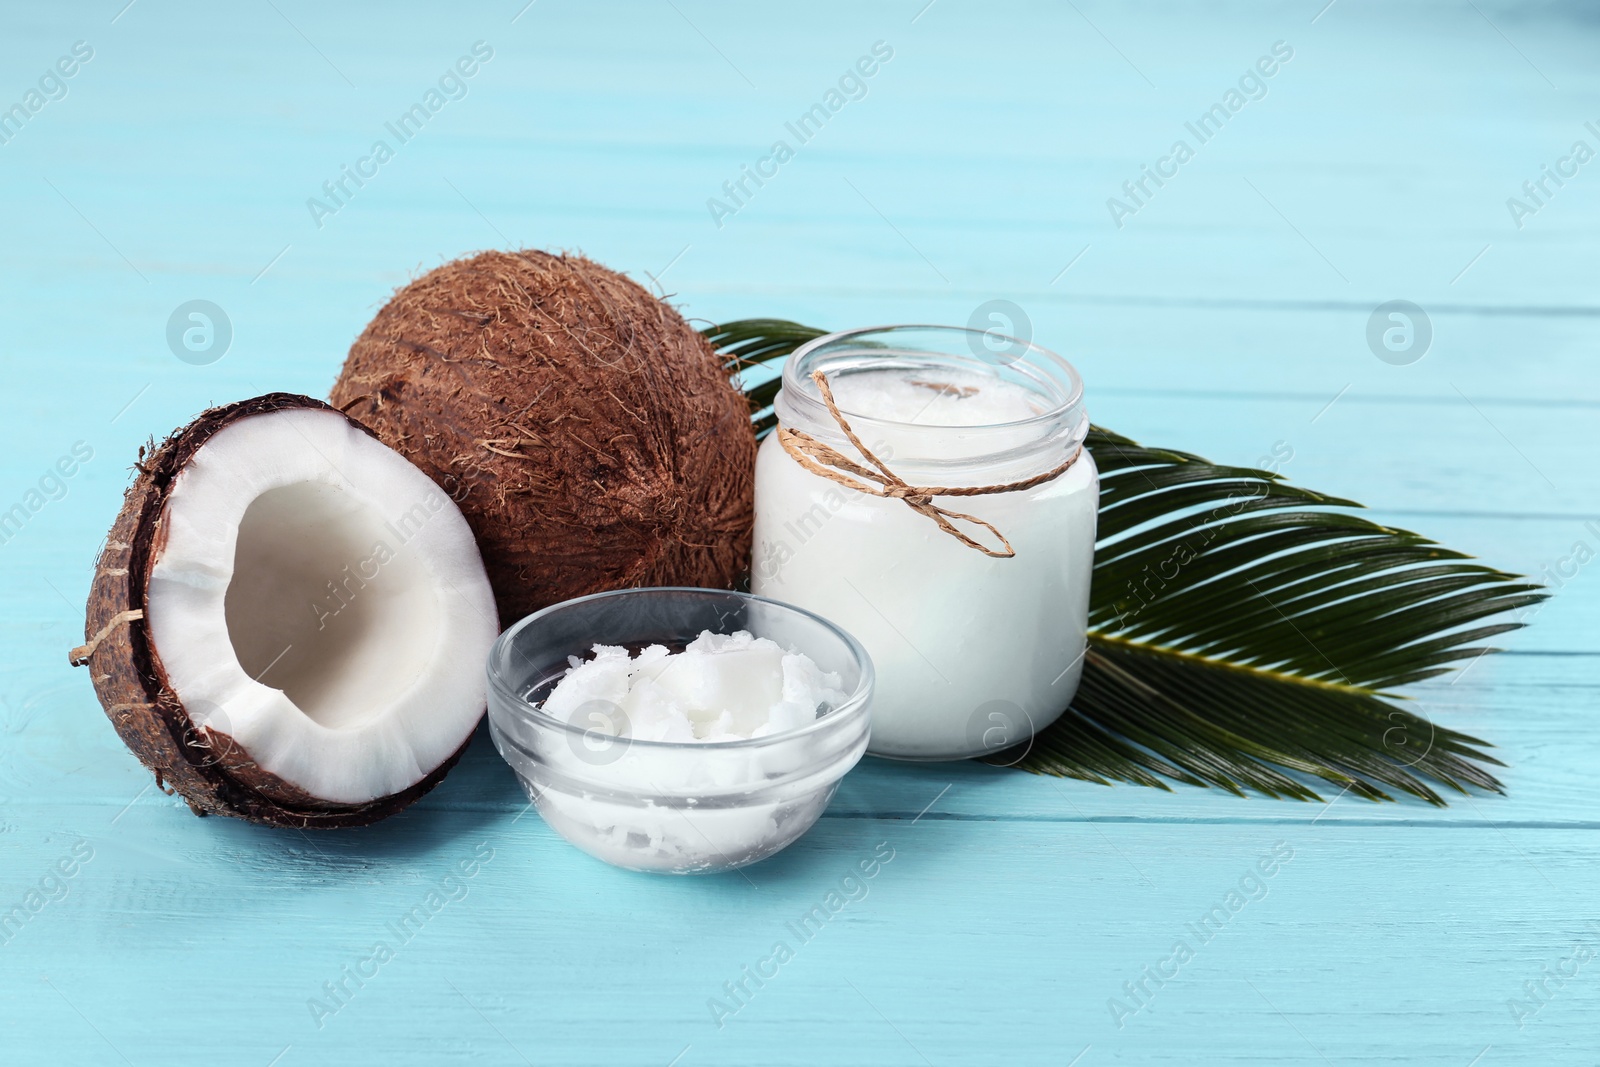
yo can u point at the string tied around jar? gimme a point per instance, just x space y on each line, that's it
828 462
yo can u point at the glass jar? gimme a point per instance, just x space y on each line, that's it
974 652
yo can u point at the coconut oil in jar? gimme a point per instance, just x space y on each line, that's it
974 651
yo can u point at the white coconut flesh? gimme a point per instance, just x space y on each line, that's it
322 602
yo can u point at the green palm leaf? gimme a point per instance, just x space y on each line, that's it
1244 633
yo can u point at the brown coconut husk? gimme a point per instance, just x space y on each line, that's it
205 767
591 437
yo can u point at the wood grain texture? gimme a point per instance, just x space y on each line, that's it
1227 315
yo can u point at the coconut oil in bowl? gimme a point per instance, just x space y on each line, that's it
688 794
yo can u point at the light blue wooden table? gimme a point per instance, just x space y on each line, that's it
1227 315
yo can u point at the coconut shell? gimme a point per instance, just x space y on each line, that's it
591 437
214 775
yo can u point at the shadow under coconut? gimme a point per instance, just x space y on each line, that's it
481 780
477 794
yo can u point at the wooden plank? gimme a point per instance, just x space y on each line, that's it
970 945
1224 316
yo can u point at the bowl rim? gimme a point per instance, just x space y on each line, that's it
855 704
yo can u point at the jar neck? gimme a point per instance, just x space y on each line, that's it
920 452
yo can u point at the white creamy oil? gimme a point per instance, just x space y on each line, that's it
945 398
973 652
721 687
692 707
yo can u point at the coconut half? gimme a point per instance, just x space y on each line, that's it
289 620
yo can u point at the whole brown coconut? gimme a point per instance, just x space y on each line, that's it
593 439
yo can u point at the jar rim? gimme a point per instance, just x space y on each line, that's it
1033 357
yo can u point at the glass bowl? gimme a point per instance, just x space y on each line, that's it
662 806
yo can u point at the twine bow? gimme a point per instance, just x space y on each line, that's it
829 463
